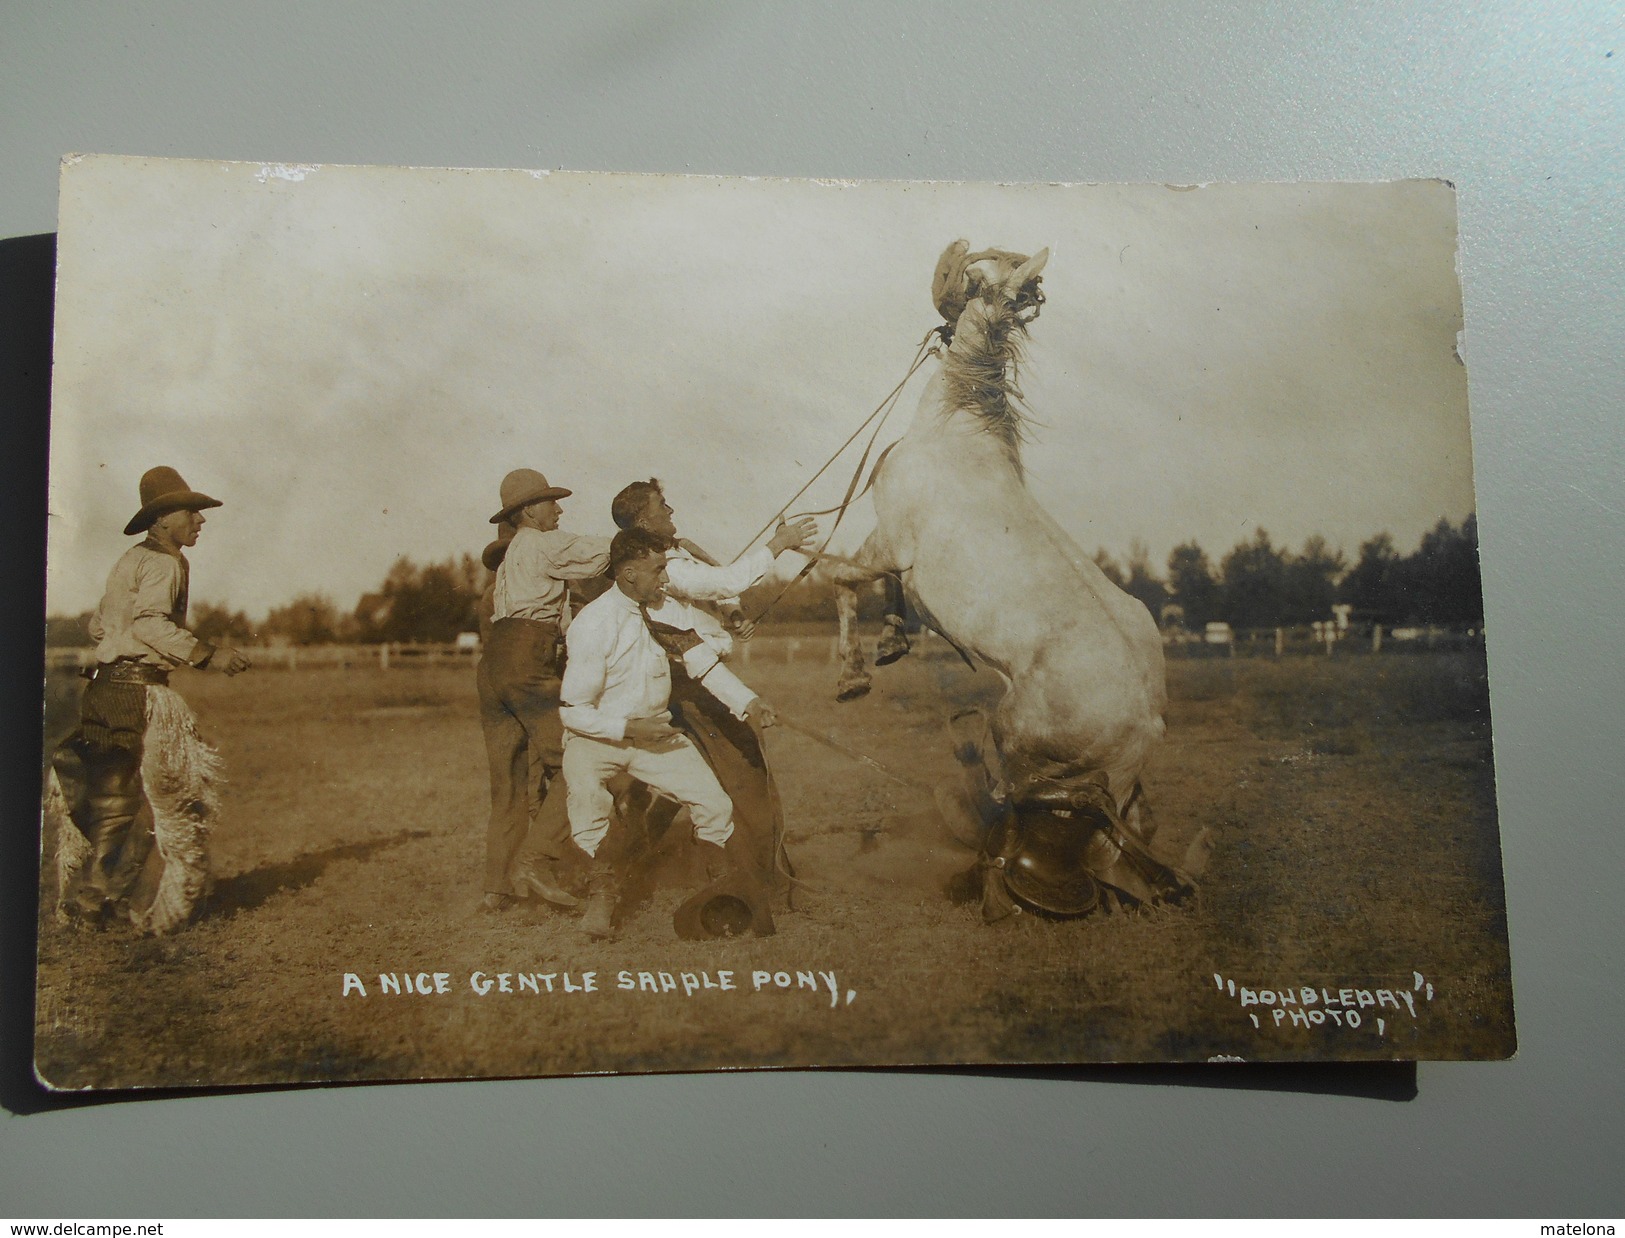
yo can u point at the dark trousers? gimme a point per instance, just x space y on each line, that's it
105 793
734 752
518 683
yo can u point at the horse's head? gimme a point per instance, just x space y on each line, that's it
988 298
1008 282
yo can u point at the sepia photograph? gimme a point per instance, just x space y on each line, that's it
520 623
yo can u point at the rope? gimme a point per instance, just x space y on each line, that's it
919 357
780 858
833 745
882 411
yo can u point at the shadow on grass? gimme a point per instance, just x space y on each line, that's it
249 890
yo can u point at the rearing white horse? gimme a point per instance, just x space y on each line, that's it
993 572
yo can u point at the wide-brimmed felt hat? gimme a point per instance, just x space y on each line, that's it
163 490
493 554
731 906
521 488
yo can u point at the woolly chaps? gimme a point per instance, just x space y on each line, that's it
181 777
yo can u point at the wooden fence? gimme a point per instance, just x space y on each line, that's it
762 648
770 648
1325 640
315 657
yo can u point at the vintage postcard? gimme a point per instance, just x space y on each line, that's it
510 623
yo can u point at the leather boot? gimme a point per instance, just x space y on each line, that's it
603 895
105 880
719 861
540 879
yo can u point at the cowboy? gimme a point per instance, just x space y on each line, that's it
518 683
492 557
617 686
694 575
140 632
730 747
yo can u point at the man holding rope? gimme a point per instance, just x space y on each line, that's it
518 681
694 575
624 651
731 747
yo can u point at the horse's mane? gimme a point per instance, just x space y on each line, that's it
981 368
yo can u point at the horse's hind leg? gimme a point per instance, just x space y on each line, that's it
1137 816
1138 819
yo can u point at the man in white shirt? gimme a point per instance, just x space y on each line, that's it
617 686
518 682
694 576
730 747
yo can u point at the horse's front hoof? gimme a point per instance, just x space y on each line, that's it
893 645
852 685
1000 914
997 905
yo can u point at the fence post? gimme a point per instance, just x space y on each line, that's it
1279 642
383 655
1376 638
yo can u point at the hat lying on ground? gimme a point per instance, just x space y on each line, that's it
521 488
730 906
164 491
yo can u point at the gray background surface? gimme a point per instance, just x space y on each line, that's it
1521 108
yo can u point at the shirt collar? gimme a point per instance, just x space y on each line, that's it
151 543
622 601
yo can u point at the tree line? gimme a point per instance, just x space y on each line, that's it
428 604
1258 584
1255 584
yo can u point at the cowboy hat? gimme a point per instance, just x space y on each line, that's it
493 554
521 488
731 906
164 491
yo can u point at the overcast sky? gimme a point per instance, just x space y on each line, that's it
351 358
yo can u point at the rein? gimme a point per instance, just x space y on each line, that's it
780 858
882 411
852 754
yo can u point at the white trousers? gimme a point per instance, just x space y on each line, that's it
677 770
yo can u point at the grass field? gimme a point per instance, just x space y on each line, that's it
1350 804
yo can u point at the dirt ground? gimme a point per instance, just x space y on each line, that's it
1355 869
